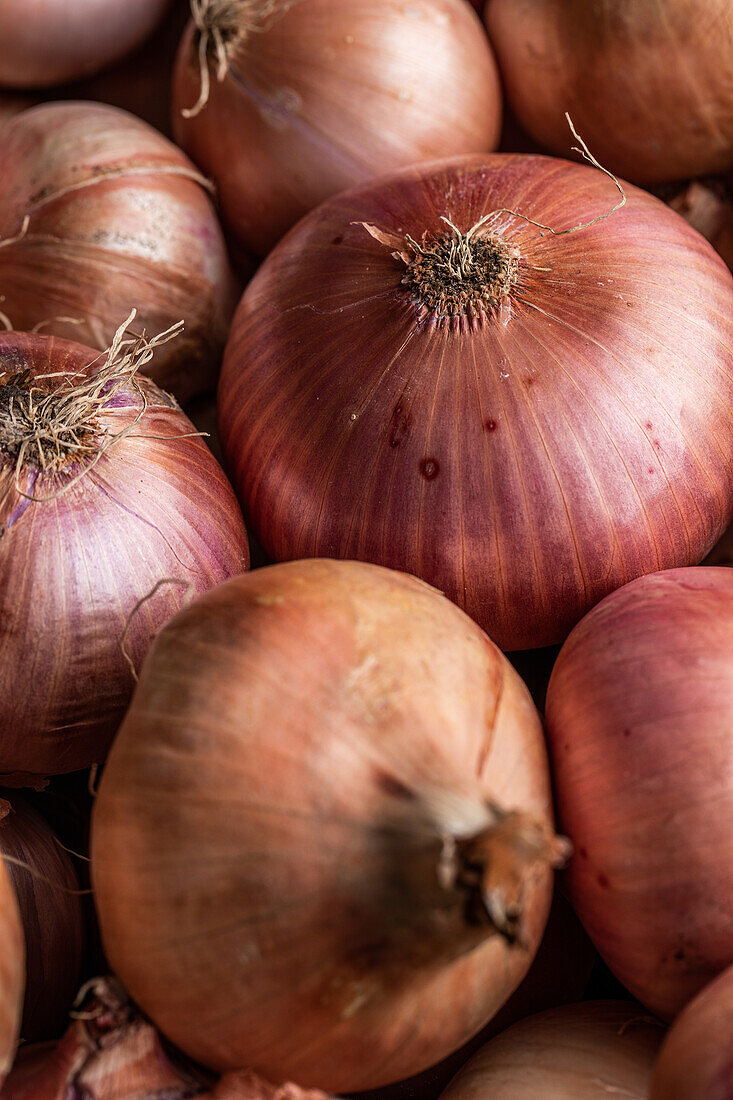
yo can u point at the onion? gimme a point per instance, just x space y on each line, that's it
140 502
640 722
308 97
695 1060
46 42
12 976
526 437
647 82
47 889
580 1052
708 206
324 853
117 217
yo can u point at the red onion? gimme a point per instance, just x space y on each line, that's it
117 217
708 206
581 1052
526 433
46 42
12 972
640 722
299 100
648 83
127 499
696 1060
47 889
322 841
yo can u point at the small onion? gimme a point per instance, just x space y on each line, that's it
47 889
527 431
581 1052
648 83
708 207
640 724
46 42
696 1060
12 972
321 845
310 97
111 521
117 217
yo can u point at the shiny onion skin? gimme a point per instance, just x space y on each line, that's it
708 207
273 852
640 724
47 889
579 1052
321 95
648 83
47 42
118 217
72 569
696 1060
12 972
525 460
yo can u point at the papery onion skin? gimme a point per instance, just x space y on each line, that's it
12 972
579 1052
73 569
648 83
47 42
330 95
640 724
119 217
696 1059
525 461
47 889
276 903
708 207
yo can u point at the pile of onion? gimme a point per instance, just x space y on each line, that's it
47 890
98 213
648 83
286 102
12 972
580 1052
696 1059
322 842
105 491
47 42
640 723
420 377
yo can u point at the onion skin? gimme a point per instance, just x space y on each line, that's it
527 461
708 207
47 890
695 1060
578 1052
12 972
333 957
73 569
48 42
640 720
118 218
648 83
332 94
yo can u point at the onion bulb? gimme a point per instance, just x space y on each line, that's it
526 419
708 206
47 42
648 83
47 890
104 494
640 724
98 213
580 1052
12 972
286 102
322 843
696 1060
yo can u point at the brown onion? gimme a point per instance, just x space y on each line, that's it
46 42
47 889
708 206
112 520
118 217
648 83
640 723
12 972
308 97
580 1052
527 435
322 841
696 1060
